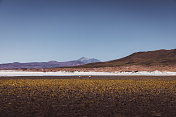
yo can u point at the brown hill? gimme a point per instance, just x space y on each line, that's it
149 58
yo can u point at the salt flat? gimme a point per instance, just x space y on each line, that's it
76 73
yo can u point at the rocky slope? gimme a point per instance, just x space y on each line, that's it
149 58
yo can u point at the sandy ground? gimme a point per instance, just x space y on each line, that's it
112 69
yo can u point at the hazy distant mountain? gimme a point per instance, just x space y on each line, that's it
149 58
50 64
87 60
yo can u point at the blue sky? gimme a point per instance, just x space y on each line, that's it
61 30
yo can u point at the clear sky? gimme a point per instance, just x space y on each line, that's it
61 30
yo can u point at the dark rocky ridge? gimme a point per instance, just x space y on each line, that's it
148 58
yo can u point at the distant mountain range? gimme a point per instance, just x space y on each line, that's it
148 58
50 64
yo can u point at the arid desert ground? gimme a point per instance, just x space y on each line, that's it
88 96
